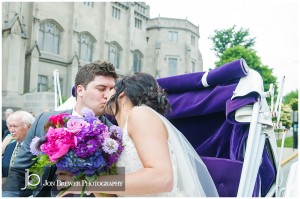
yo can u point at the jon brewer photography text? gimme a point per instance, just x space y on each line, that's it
84 183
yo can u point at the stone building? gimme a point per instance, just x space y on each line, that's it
39 37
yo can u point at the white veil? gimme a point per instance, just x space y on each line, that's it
193 177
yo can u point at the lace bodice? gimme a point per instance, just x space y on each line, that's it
131 161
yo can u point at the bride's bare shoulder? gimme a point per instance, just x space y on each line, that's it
142 110
139 112
144 120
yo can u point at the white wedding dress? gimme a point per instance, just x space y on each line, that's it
190 175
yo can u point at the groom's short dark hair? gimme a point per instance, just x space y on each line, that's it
88 72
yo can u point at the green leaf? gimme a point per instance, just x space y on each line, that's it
228 38
75 180
91 178
38 168
83 190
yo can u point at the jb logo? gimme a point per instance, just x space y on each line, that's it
31 180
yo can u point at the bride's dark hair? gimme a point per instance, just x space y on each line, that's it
140 88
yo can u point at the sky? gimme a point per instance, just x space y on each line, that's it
274 24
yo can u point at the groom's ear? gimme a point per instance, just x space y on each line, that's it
80 90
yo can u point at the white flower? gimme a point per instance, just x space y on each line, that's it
110 146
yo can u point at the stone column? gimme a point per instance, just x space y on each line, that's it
36 24
32 70
188 59
72 71
158 66
127 49
13 60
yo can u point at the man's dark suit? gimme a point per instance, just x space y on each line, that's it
4 129
7 157
16 178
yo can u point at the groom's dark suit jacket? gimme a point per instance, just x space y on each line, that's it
16 178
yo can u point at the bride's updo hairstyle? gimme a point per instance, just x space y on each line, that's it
140 88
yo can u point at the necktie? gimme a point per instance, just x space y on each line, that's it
14 154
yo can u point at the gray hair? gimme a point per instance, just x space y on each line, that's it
9 111
26 117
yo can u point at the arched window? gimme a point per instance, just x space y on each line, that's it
50 36
137 61
114 54
86 43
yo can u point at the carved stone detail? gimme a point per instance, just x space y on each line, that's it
35 53
16 29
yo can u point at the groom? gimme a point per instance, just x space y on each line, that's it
93 83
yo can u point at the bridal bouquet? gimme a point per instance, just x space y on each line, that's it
83 146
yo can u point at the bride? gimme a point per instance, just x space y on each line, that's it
158 159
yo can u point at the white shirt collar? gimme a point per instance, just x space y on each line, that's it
75 113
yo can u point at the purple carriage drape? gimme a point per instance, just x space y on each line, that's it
205 115
193 81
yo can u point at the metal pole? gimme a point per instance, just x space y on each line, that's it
279 100
58 87
279 165
244 182
258 159
55 91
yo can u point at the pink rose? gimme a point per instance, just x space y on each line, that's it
58 143
75 125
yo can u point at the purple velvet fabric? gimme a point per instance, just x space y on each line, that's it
196 103
227 72
206 118
192 81
226 174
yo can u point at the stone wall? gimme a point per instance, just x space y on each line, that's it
31 102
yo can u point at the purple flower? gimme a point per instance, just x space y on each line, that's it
98 126
86 112
110 146
34 149
86 149
117 131
95 129
112 158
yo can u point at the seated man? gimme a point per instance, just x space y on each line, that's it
19 124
